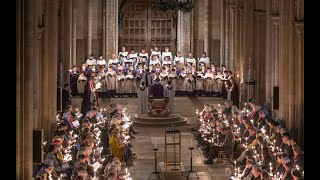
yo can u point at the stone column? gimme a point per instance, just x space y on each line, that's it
237 43
257 49
89 35
24 89
269 58
74 36
283 61
206 26
104 29
232 37
291 63
111 31
299 74
227 35
184 33
53 64
36 64
275 37
223 32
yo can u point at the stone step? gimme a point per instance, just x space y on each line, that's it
156 123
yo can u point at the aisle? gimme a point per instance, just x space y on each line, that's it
144 141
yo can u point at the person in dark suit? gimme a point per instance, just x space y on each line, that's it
157 89
66 98
298 157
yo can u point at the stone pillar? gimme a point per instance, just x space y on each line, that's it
275 38
44 113
223 32
89 35
232 37
36 64
227 35
291 63
257 49
104 29
283 62
299 77
206 26
237 42
184 33
111 31
24 89
269 58
74 36
53 65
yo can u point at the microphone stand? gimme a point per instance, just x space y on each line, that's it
191 171
155 165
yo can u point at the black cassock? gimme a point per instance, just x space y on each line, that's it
73 82
86 104
235 95
65 99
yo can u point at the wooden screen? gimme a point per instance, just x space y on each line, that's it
142 28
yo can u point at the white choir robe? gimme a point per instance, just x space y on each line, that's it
163 79
142 93
157 53
101 62
102 80
219 82
81 83
148 78
189 85
205 60
137 81
179 62
170 93
154 65
144 56
122 56
129 84
173 77
91 62
134 58
114 62
111 77
120 84
127 62
199 82
210 85
167 63
181 82
164 54
190 62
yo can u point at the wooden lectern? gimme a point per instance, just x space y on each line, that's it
158 107
176 144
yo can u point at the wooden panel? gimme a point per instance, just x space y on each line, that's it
142 28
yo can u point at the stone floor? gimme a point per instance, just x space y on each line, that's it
145 141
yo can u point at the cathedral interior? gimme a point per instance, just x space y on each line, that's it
259 40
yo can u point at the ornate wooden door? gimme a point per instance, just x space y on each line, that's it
142 28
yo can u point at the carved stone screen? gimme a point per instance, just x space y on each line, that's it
142 28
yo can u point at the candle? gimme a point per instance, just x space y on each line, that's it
235 164
126 170
274 142
191 142
155 143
